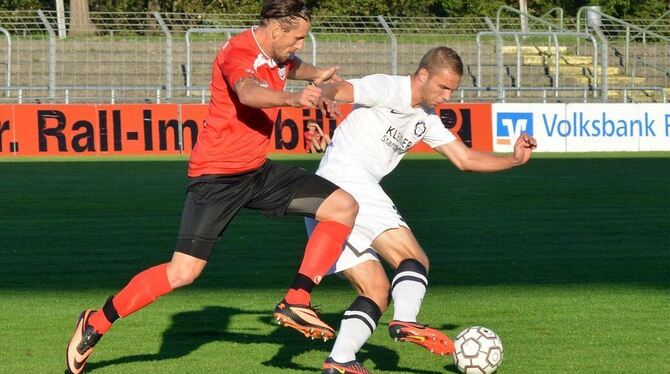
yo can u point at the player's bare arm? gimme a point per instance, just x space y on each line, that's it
467 159
342 91
308 72
251 93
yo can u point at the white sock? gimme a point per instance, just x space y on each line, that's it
358 324
408 288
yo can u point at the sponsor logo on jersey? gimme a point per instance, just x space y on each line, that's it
420 129
395 111
396 140
510 125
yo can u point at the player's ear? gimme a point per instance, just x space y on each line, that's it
423 75
276 29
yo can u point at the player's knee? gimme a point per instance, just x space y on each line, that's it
423 259
349 206
339 206
180 276
346 204
378 290
416 254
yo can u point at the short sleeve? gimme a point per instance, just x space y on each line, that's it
372 90
236 63
436 133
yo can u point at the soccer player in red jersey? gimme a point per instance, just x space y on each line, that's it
229 171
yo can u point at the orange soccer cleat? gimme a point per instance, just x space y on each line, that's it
304 319
351 367
82 343
429 338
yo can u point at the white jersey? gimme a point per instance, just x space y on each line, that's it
383 126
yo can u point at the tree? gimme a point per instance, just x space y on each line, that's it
80 20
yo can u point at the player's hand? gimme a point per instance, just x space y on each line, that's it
329 107
523 148
309 97
327 75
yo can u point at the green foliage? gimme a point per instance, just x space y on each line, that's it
632 9
25 4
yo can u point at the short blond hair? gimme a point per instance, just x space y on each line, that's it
442 58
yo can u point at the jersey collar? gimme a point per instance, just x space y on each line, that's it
268 60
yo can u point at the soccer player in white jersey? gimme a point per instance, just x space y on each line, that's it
391 114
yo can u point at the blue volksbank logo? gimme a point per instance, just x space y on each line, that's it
510 125
604 124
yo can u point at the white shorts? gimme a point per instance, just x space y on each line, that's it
376 214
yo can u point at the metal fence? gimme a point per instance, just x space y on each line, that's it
166 57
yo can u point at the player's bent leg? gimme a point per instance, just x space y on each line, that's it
316 197
184 269
400 244
360 319
408 288
339 206
336 212
335 216
369 279
358 323
141 291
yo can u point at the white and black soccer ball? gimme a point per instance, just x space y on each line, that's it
478 350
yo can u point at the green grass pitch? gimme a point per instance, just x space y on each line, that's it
567 259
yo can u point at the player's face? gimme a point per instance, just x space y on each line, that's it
438 86
286 43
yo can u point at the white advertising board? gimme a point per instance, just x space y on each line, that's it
583 127
510 120
660 139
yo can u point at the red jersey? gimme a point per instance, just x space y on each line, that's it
235 137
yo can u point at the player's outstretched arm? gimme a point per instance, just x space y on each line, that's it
342 91
307 72
467 159
252 94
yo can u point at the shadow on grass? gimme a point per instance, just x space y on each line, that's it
551 222
191 330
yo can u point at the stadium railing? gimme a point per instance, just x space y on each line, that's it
161 57
620 32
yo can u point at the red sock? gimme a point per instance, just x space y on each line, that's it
99 322
323 249
141 291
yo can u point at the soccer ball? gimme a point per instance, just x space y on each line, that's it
478 350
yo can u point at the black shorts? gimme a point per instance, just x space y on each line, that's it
212 201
